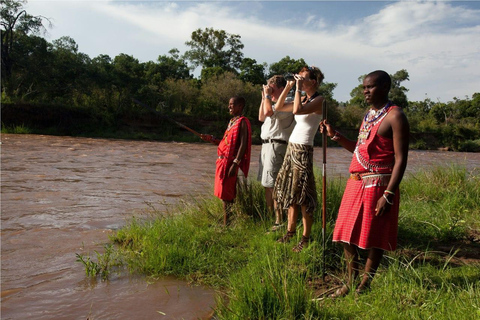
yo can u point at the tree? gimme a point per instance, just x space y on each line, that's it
251 71
285 65
212 48
357 95
398 92
15 22
172 66
68 71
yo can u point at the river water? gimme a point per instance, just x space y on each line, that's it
64 195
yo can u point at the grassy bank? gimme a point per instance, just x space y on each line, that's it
434 274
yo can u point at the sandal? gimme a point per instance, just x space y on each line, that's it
286 238
303 243
276 226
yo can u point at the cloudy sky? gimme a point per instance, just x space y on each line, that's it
437 42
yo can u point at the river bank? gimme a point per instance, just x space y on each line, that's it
66 195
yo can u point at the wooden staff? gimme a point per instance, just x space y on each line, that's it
168 118
324 185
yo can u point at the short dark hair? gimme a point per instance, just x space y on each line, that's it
382 77
239 100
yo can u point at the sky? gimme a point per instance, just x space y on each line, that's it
437 42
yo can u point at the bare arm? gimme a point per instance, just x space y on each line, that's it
314 106
339 138
281 104
265 109
400 133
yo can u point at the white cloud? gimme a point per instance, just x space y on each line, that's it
438 43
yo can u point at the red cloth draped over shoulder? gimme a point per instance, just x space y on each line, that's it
225 187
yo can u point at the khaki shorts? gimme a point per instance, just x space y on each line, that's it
271 159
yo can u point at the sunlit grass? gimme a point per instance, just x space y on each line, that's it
258 278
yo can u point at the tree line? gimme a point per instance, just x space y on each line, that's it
55 74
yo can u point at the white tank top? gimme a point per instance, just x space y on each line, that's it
306 128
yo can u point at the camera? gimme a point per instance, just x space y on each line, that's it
289 76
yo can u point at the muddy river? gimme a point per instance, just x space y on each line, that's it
62 195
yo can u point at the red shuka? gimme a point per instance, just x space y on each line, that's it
225 187
356 222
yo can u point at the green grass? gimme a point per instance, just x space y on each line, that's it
21 129
258 278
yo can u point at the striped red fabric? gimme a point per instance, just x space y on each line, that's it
356 222
225 188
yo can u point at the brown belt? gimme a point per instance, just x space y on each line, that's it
274 140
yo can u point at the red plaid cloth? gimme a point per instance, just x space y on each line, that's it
225 187
356 222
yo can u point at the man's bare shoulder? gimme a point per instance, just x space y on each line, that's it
397 114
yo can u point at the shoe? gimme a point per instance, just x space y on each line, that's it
302 244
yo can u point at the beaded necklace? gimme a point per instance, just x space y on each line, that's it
232 122
230 125
371 118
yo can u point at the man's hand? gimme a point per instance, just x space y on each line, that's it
324 125
207 137
382 207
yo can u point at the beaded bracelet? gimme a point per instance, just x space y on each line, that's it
386 199
389 192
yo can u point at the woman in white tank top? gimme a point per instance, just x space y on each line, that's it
295 184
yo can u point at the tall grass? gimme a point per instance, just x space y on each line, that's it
20 129
258 278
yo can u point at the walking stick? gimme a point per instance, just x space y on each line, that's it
168 118
324 185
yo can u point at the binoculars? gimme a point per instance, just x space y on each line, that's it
289 76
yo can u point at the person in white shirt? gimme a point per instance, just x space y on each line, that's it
275 132
295 184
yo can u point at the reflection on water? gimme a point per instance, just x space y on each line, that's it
64 195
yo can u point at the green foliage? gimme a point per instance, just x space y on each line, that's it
216 92
259 278
285 65
40 73
103 265
443 201
20 129
251 71
215 48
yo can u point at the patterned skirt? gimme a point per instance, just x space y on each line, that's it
295 184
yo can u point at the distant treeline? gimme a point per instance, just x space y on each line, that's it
52 88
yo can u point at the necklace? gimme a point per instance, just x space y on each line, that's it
371 118
232 122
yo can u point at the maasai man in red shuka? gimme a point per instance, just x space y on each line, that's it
233 153
368 215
